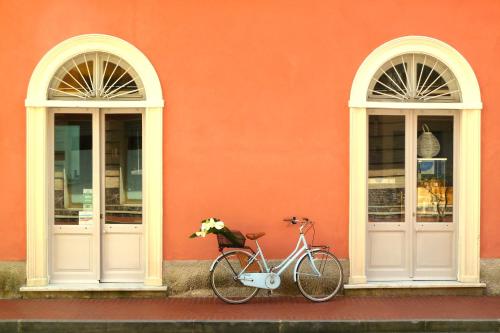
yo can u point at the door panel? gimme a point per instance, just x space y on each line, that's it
387 249
122 241
427 256
434 225
73 252
75 196
387 230
124 250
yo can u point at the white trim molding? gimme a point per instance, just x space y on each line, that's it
72 47
471 96
36 197
37 180
469 161
469 196
358 202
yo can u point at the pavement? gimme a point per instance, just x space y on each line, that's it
262 314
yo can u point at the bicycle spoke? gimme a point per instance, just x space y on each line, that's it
323 286
312 275
227 267
223 281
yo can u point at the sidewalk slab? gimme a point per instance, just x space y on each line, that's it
32 326
265 314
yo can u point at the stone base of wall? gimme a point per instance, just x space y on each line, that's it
190 278
12 277
490 274
409 292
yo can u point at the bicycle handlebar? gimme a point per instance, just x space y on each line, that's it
292 220
295 220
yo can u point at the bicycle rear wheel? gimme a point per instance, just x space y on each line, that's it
319 287
224 281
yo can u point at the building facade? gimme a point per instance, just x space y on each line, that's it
130 122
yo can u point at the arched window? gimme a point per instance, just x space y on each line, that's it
414 78
97 76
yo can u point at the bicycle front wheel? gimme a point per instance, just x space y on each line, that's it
224 277
320 279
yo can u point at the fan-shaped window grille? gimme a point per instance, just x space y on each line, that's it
414 78
96 76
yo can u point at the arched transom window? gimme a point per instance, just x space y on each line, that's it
96 76
414 78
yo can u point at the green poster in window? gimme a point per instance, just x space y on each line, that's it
87 199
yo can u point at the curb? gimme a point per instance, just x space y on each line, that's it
277 326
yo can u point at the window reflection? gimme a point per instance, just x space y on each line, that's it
386 171
435 169
72 167
123 169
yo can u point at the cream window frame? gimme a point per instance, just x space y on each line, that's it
468 158
37 192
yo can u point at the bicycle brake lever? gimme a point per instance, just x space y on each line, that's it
292 220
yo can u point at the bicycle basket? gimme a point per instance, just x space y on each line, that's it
238 240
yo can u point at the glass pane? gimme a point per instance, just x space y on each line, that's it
392 82
434 86
77 80
435 169
72 168
123 164
118 82
386 169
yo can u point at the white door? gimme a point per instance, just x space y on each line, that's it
74 198
122 223
96 196
411 217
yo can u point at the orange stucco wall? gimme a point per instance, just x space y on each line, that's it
256 120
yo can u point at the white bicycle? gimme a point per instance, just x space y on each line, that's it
237 275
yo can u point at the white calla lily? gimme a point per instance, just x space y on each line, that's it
201 233
208 226
211 223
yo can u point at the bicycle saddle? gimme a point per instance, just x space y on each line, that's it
255 236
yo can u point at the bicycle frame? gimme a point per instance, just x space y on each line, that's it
282 266
270 278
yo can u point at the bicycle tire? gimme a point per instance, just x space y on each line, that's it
223 280
319 288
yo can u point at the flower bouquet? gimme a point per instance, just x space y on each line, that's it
225 237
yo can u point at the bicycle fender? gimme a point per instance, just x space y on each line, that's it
297 263
220 256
